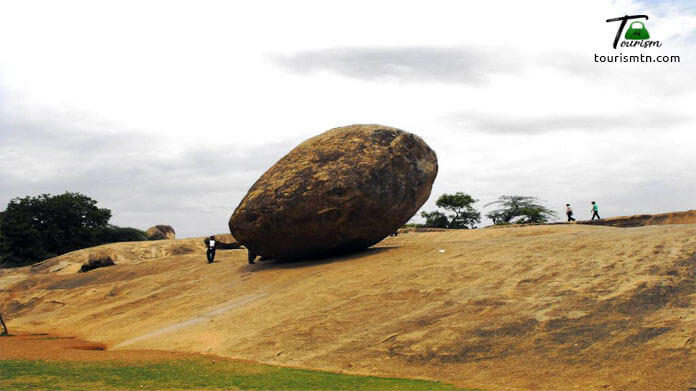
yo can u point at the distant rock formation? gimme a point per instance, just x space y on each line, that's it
96 262
343 190
687 217
159 232
224 242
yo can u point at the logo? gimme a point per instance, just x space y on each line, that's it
636 35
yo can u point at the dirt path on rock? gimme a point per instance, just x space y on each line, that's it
191 322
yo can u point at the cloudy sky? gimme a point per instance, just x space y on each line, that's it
167 112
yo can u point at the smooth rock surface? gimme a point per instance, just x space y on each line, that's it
341 191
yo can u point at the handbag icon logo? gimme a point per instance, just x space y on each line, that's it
636 34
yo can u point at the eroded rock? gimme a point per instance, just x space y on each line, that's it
160 232
343 190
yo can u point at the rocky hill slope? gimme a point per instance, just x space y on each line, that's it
686 217
520 308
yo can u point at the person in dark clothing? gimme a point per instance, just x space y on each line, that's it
211 249
569 212
595 211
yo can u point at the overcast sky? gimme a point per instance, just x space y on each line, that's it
167 112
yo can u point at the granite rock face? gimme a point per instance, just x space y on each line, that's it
160 232
341 191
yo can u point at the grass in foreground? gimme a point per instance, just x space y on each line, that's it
198 374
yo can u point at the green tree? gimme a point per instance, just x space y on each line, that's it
112 234
459 204
36 228
519 210
462 214
435 219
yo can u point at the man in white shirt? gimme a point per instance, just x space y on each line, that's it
211 249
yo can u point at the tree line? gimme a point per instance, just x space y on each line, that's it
36 228
459 212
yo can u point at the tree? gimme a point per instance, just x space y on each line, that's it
112 234
462 215
519 210
435 219
36 228
465 216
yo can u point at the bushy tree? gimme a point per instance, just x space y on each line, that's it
462 214
519 210
435 219
112 234
36 228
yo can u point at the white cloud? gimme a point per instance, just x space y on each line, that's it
470 65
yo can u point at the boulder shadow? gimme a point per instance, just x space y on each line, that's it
314 261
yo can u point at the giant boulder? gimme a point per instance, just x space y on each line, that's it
343 190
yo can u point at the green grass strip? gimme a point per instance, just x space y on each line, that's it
194 374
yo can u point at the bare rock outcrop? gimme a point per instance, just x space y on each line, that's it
160 232
686 217
343 190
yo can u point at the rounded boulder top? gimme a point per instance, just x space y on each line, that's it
160 232
341 191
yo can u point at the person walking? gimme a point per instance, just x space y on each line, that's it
595 211
569 212
211 249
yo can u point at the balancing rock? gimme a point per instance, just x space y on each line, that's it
341 191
